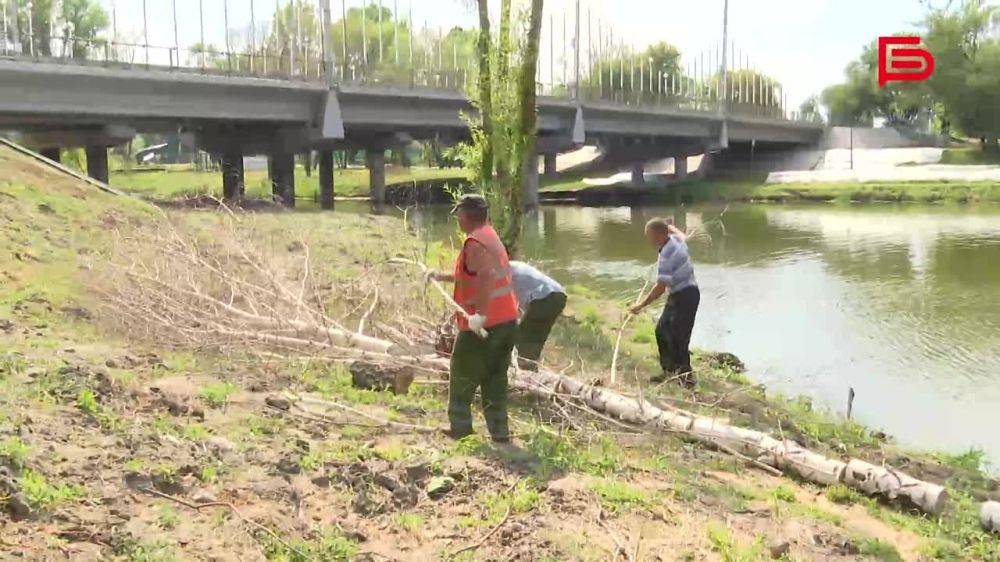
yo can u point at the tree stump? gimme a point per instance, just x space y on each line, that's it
371 376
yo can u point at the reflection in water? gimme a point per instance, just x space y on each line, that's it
900 302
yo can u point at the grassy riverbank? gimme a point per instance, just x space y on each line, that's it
173 182
756 190
95 413
867 192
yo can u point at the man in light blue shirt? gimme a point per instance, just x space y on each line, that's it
541 300
674 275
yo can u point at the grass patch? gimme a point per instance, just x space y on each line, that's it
216 395
879 550
42 495
330 545
522 498
14 453
409 522
133 550
969 157
167 517
842 494
783 494
617 496
723 543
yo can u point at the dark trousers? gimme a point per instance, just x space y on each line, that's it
535 326
673 331
481 363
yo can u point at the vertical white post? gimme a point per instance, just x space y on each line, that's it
31 31
642 78
253 35
631 71
296 40
565 39
201 27
364 33
395 31
177 43
343 22
600 58
621 68
380 31
326 22
409 35
145 31
724 99
4 23
590 49
576 49
225 23
552 52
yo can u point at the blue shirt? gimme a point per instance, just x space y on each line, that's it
530 284
674 266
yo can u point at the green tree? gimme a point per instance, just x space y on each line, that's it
78 25
963 92
810 109
858 100
967 77
624 72
504 131
295 41
81 21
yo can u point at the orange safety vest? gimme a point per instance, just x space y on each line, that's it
502 307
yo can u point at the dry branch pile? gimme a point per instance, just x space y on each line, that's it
229 294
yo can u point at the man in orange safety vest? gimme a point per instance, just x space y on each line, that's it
482 353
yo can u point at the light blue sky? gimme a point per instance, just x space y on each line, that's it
803 43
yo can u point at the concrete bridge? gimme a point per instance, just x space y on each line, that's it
326 105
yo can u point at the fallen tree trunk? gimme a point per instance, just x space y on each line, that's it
785 454
878 480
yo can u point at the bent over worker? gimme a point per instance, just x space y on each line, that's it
541 299
675 276
484 289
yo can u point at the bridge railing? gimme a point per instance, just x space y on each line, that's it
368 44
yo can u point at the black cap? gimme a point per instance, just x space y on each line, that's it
471 202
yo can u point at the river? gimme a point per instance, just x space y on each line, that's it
900 302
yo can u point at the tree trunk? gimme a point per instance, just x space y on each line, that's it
527 124
503 157
877 480
485 95
758 446
307 163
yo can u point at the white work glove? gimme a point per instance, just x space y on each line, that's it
477 323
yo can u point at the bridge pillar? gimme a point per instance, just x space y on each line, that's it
638 174
550 165
52 153
283 177
97 162
375 160
233 183
326 179
680 167
531 182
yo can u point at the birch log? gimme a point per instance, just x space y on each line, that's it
989 516
878 480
